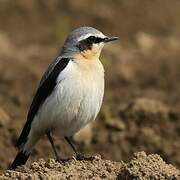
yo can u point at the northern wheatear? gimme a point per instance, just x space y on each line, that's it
69 95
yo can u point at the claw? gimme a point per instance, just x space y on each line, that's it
63 160
81 157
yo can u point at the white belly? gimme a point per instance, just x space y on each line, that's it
75 101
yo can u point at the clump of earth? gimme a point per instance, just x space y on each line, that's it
140 167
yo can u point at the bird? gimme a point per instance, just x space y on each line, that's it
69 94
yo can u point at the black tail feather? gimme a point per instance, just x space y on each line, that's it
19 160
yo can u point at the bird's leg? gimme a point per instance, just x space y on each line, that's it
54 148
79 156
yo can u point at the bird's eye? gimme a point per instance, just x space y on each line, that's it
91 39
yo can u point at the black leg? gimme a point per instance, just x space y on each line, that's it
52 144
69 140
79 156
54 149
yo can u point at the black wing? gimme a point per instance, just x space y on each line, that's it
45 88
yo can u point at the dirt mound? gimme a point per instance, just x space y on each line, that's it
142 166
152 166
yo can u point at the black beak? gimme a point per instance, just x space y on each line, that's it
109 39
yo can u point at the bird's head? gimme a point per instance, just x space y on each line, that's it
86 41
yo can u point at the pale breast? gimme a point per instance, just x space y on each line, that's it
76 99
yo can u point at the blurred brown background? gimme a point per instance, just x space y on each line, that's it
142 97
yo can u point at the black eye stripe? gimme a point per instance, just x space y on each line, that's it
87 43
94 39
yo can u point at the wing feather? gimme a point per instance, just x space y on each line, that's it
46 86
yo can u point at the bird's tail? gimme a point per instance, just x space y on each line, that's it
19 160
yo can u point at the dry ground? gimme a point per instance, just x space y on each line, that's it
142 167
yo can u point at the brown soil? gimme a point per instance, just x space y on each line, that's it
142 167
142 100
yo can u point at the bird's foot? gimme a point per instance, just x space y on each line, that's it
81 157
63 160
